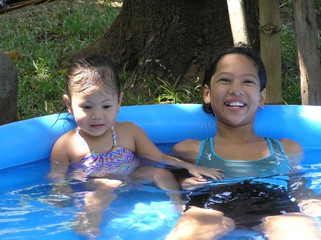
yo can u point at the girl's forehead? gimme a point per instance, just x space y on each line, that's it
90 89
95 92
233 58
236 63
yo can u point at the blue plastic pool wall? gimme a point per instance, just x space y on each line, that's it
31 140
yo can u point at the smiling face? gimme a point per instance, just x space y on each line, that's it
94 110
234 91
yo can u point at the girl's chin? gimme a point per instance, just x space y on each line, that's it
94 131
236 122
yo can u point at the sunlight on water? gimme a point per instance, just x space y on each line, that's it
26 211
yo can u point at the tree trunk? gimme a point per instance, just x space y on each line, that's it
270 39
306 31
168 39
8 90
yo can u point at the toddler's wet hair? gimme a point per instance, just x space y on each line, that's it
93 70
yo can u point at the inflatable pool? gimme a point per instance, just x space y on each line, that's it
25 148
32 140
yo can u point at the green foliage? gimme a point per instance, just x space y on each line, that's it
43 35
164 92
290 81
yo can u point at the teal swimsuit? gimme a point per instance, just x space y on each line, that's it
275 164
251 190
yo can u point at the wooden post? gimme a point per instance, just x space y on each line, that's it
306 31
270 45
237 21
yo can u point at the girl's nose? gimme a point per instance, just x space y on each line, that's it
96 114
236 90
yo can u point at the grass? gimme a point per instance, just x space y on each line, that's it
43 36
290 80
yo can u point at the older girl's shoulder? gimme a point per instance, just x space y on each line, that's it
293 150
291 147
187 144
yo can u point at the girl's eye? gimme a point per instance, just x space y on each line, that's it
224 80
250 82
106 106
86 107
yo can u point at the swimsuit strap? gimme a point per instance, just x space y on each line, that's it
113 132
81 138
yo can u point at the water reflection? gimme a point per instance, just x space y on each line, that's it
145 212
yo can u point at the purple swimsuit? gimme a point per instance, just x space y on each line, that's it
117 162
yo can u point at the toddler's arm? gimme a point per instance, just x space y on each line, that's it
146 148
195 170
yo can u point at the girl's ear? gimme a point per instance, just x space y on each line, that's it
67 101
206 94
262 98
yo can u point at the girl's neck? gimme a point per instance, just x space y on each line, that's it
239 134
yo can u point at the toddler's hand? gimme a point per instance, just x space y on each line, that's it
193 183
213 173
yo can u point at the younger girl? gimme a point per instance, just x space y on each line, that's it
103 150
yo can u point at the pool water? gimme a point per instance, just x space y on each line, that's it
137 213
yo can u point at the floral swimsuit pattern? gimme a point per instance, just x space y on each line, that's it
117 162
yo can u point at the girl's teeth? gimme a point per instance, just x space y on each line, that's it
235 104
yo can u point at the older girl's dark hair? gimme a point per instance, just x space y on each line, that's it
239 48
93 70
